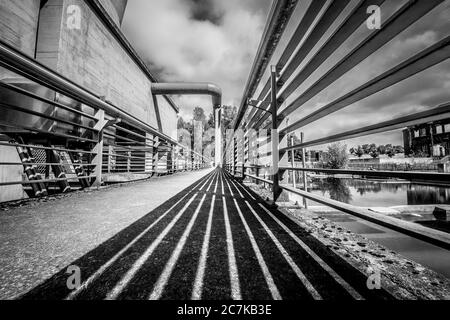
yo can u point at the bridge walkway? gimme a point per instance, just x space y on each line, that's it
213 240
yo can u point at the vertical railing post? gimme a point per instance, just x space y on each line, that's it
176 154
294 183
148 154
110 158
155 155
128 161
305 178
98 149
169 159
274 133
235 157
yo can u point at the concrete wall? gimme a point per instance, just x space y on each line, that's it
168 118
48 41
18 24
91 57
18 27
88 55
10 173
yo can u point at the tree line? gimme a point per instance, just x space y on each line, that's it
375 151
186 128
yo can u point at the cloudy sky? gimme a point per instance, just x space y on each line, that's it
198 40
216 41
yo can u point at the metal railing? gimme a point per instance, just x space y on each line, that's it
273 94
61 133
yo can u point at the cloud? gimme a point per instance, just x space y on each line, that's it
198 40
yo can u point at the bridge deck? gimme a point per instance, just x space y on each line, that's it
213 240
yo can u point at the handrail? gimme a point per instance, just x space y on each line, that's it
436 237
277 21
407 175
26 66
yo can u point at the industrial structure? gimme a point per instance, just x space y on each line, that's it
428 139
72 118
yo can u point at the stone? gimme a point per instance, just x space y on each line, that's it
441 214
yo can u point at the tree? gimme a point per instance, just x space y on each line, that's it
210 123
336 156
399 149
352 151
199 114
381 149
366 148
228 115
181 124
390 151
373 151
359 152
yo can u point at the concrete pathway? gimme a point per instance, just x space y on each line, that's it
40 238
214 240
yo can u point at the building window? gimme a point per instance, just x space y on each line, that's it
447 127
423 132
416 133
438 129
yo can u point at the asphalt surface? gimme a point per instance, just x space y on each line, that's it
214 240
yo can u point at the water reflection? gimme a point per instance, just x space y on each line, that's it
367 193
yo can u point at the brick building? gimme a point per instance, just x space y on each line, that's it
429 139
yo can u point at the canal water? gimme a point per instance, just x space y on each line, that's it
379 193
389 193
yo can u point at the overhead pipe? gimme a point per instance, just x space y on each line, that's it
189 88
213 90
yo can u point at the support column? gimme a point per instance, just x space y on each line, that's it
129 161
274 134
155 155
110 158
170 159
148 155
218 147
98 149
294 183
175 159
305 177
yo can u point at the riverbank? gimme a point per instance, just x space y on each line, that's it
421 272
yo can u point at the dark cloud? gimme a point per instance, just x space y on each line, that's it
205 10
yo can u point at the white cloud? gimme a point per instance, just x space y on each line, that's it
185 49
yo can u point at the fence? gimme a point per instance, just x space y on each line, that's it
282 80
